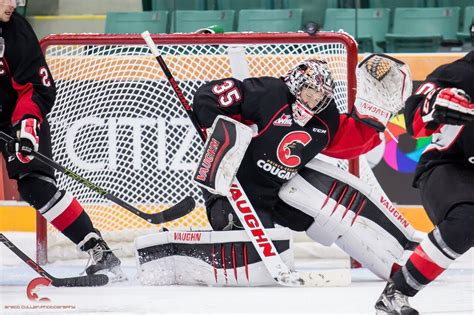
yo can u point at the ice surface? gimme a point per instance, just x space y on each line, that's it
452 293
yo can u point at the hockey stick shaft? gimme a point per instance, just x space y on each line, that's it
83 281
239 200
180 209
179 93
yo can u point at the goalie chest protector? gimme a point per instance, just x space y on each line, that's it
281 147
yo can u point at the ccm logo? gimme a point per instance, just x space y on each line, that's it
251 221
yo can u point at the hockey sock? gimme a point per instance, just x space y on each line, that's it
447 242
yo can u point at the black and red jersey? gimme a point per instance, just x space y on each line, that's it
450 144
280 147
25 80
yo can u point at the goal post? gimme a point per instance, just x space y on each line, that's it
117 121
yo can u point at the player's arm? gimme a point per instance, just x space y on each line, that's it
219 97
30 75
352 139
35 89
384 83
434 105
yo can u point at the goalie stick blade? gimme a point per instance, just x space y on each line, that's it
177 211
83 281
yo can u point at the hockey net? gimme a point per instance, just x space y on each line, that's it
118 123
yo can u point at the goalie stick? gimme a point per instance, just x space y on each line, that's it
180 209
81 281
245 211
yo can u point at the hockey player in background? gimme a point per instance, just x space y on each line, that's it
294 118
28 94
441 107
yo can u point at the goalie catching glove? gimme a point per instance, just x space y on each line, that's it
27 139
383 85
448 106
223 153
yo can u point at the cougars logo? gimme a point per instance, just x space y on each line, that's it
292 142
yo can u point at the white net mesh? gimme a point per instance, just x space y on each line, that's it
118 123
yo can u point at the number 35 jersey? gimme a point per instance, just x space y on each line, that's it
280 147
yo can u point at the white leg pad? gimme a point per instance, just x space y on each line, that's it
357 217
196 258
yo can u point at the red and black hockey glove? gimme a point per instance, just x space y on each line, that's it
450 106
27 139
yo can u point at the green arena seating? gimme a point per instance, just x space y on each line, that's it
278 20
455 3
392 4
372 26
189 21
173 5
313 10
422 29
238 5
465 33
22 10
136 22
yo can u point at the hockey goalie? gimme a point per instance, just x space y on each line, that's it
267 132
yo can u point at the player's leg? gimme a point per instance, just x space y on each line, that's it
37 186
349 213
448 199
222 217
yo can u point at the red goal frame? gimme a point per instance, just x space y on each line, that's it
204 39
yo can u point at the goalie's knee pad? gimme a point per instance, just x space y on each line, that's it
359 219
210 257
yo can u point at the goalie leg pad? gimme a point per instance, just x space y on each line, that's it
218 258
348 212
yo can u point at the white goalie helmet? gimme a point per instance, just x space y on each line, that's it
313 74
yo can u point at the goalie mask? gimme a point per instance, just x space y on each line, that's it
312 85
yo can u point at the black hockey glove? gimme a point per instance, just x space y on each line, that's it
26 139
449 106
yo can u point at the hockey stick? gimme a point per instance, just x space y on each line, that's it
82 281
245 211
175 212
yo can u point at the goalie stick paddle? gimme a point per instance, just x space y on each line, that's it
266 250
177 211
81 281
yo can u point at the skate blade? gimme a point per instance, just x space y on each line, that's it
115 274
383 312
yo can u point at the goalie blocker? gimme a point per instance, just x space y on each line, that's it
222 155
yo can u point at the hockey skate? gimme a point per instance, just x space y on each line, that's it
392 301
101 259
